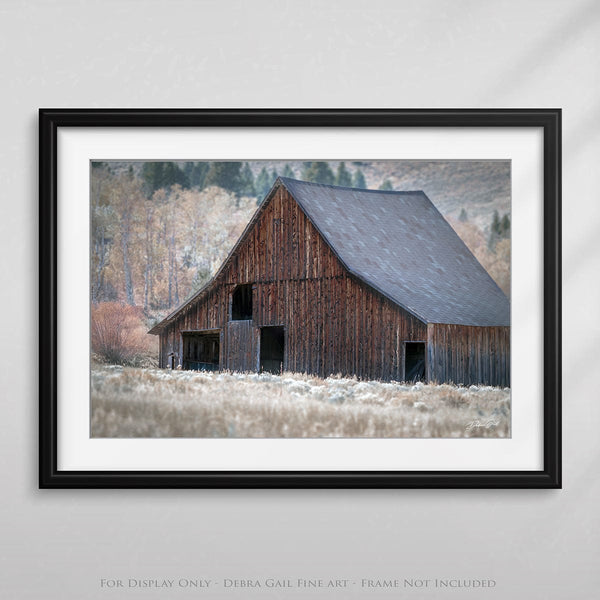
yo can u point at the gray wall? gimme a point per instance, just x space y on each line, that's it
535 544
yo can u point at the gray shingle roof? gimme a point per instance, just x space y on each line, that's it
399 244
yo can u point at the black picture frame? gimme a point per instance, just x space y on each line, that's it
548 119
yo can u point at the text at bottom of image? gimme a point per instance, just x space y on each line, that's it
296 583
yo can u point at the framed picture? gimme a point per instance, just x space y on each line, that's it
300 298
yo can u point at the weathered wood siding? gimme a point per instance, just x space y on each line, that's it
468 355
242 346
334 323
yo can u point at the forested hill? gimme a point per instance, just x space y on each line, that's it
161 229
478 187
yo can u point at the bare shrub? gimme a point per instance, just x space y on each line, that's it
119 333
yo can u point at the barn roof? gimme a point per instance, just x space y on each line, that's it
401 245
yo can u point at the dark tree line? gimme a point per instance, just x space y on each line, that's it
321 172
238 178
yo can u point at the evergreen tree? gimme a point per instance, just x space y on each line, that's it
274 176
463 217
496 223
359 180
173 175
499 229
494 231
247 181
263 184
505 226
152 177
288 171
386 186
196 173
319 172
226 175
188 169
158 175
343 176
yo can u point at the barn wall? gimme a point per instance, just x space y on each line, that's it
468 355
334 323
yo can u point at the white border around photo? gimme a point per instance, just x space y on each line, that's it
78 146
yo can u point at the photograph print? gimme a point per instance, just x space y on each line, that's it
300 299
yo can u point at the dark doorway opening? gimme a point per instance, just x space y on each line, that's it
414 361
201 351
241 303
272 349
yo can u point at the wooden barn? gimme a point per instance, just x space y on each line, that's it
328 280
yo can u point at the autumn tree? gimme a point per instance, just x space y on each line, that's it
126 200
150 251
102 233
150 258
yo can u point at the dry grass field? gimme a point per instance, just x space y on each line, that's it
133 402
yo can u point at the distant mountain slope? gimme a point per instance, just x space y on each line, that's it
480 187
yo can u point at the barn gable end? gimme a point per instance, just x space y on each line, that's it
332 320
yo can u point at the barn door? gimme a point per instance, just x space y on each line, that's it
414 361
241 346
272 349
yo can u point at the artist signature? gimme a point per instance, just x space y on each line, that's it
489 424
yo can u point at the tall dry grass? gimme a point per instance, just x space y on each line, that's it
131 402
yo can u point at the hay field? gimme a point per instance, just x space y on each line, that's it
134 402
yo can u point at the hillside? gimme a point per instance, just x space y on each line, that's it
480 187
